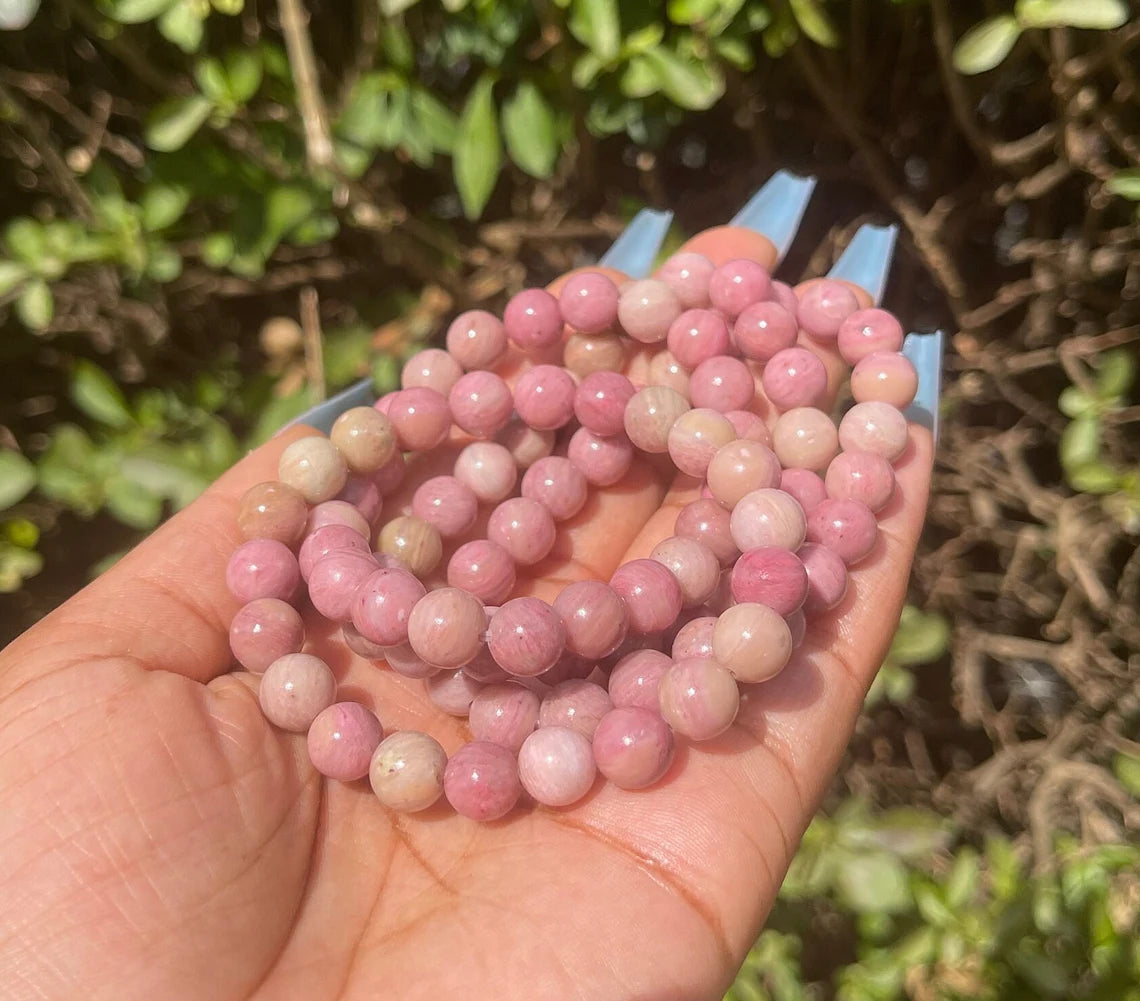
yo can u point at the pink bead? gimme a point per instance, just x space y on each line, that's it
384 404
600 401
693 565
525 444
866 331
483 668
483 568
335 579
874 427
488 469
794 378
739 468
737 284
363 493
752 642
861 476
391 475
421 418
707 522
763 330
631 644
768 518
431 369
263 630
722 383
481 781
337 512
481 404
595 618
294 689
576 704
695 438
533 320
797 626
749 426
633 747
805 438
503 714
557 485
452 690
697 335
404 661
556 766
447 503
699 699
646 309
603 460
263 568
327 540
383 605
650 415
770 576
694 638
805 486
360 645
634 679
544 397
476 339
526 637
446 627
524 528
827 577
589 302
688 274
884 377
342 740
785 295
845 526
651 594
824 305
568 666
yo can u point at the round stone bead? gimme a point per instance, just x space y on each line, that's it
646 309
794 377
651 594
476 339
824 305
595 618
313 467
577 704
583 354
483 668
763 330
589 302
365 437
846 527
785 295
602 460
342 740
452 690
446 627
752 641
447 503
600 401
768 518
866 331
406 772
749 426
421 417
391 475
481 403
359 644
338 512
861 476
806 487
544 397
363 493
666 371
402 659
709 523
263 630
526 444
633 747
526 637
649 416
635 679
688 274
503 714
557 484
770 576
569 665
272 511
327 539
414 542
262 568
483 568
827 577
335 579
874 427
481 781
432 369
697 335
694 638
737 284
695 438
533 320
294 689
383 605
797 624
722 383
699 699
884 377
524 528
384 404
556 766
739 468
693 565
489 469
805 438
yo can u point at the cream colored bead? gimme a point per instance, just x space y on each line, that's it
414 541
650 415
600 353
314 467
365 438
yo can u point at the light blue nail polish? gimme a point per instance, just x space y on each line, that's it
925 354
776 209
636 249
867 259
323 415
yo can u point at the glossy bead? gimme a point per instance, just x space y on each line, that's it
476 339
695 438
544 397
588 302
524 528
694 638
432 369
363 493
635 679
263 630
666 371
785 295
533 320
481 403
708 522
294 689
577 704
805 438
884 377
739 468
698 698
421 418
861 476
526 637
328 539
805 486
797 625
768 518
338 512
446 627
483 568
488 469
697 335
404 661
688 274
556 766
600 401
633 747
313 467
272 511
558 485
365 437
342 740
406 772
770 576
503 714
391 475
693 565
824 305
737 284
646 309
649 416
874 427
651 594
383 604
453 691
584 354
722 383
335 579
749 426
526 444
794 377
483 668
763 330
595 618
481 781
359 644
845 526
413 541
602 460
447 503
262 568
827 577
866 331
752 641
569 665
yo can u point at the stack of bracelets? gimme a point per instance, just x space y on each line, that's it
556 692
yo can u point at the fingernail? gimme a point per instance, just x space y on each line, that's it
925 354
867 260
635 251
776 209
323 415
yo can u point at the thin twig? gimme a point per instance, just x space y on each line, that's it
298 44
314 352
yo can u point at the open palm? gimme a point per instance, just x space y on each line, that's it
159 840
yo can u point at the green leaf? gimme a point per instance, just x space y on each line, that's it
813 20
962 883
597 25
687 83
132 504
1080 443
735 51
21 532
35 306
586 69
217 249
163 205
94 392
164 264
1102 14
138 11
920 638
436 120
17 477
643 39
390 8
183 26
1125 183
691 11
211 77
243 73
171 124
286 207
27 240
16 566
66 470
529 129
11 274
986 44
478 152
1094 478
874 883
1126 768
932 907
376 111
1115 373
1075 402
640 78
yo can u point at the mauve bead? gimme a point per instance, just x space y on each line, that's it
414 542
404 661
577 704
335 579
446 627
524 528
633 747
384 404
805 486
338 512
797 626
824 305
476 339
845 526
588 302
452 691
665 370
737 284
383 605
525 444
634 679
603 460
406 771
649 416
698 698
360 644
749 426
785 295
794 377
646 309
694 638
827 577
568 665
768 517
874 427
262 568
481 404
313 467
421 417
739 468
693 565
600 401
432 369
885 377
752 641
483 668
709 523
342 740
584 355
697 335
805 438
272 511
366 439
322 541
770 576
526 637
503 714
631 644
483 568
294 689
363 493
544 397
688 274
866 331
557 484
722 383
651 594
481 781
861 476
763 330
556 766
447 503
263 630
391 475
533 320
595 618
695 438
488 469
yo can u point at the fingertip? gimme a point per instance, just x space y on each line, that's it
727 243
